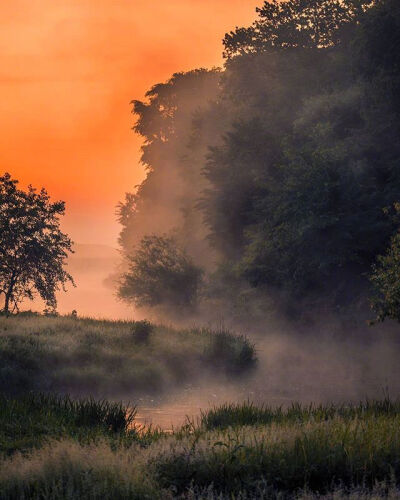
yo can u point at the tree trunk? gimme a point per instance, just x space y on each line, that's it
8 294
6 308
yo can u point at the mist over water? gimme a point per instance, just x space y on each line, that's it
309 369
317 366
92 267
324 363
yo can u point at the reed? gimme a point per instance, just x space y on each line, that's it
89 450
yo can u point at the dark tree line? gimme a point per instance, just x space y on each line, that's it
275 173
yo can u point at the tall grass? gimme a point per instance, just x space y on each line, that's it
111 358
30 420
61 447
252 452
312 448
68 470
247 413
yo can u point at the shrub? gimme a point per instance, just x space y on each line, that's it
235 354
160 273
385 281
141 331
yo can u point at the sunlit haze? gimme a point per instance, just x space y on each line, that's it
69 69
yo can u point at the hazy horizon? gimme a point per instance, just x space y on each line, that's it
69 72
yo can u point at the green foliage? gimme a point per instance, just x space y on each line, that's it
311 225
249 414
385 280
160 273
174 145
248 448
76 438
33 249
296 197
234 355
293 152
318 456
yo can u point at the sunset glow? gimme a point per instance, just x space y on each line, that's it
69 69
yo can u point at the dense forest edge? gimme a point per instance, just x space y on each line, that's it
273 184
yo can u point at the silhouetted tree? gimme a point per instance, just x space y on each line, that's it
172 155
160 273
32 247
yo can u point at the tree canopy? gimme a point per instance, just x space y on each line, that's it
306 24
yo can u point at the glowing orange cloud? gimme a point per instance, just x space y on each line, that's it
68 70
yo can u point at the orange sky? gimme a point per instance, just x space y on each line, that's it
68 70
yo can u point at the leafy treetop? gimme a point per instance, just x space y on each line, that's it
295 24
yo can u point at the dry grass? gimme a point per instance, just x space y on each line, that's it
67 470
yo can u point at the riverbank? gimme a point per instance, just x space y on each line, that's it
55 447
113 359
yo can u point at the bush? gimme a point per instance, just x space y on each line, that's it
141 331
21 364
160 273
234 354
385 279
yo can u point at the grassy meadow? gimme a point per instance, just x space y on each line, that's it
113 359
